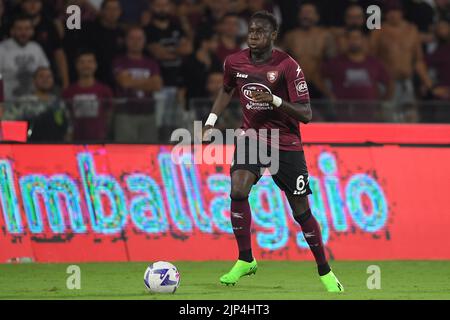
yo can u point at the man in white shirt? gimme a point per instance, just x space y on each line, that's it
19 59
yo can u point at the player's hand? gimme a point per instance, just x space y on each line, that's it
261 97
207 133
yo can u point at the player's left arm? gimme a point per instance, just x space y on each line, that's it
300 111
298 106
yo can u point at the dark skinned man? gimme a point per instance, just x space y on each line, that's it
274 96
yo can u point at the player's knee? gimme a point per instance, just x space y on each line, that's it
303 216
238 193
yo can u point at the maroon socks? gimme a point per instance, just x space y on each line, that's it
241 219
313 236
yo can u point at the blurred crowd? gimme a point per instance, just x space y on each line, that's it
138 68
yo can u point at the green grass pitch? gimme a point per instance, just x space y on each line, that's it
199 280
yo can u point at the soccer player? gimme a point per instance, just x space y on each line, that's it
274 95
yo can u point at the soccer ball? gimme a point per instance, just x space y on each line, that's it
161 277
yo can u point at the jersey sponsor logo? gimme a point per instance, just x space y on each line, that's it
301 87
272 76
247 91
241 75
249 88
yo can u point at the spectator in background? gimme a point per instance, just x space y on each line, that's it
168 43
191 13
46 34
442 10
214 11
289 15
253 6
228 31
137 77
132 10
199 65
332 12
19 59
105 37
214 84
309 44
3 28
89 102
43 109
354 18
398 45
420 13
439 61
355 75
73 40
88 10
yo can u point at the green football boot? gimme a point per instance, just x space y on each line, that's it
331 283
240 269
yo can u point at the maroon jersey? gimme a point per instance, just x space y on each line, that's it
143 68
89 107
138 100
355 80
281 76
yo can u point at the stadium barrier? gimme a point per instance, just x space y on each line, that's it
72 203
50 121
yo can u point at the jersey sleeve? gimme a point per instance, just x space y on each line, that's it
296 83
229 79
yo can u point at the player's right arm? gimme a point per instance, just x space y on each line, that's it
223 99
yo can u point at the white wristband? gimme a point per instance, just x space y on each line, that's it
276 101
211 121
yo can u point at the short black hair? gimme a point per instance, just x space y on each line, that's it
105 3
202 36
84 51
266 15
20 17
229 15
41 68
133 27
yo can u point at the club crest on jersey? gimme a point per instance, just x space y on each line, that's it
272 76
